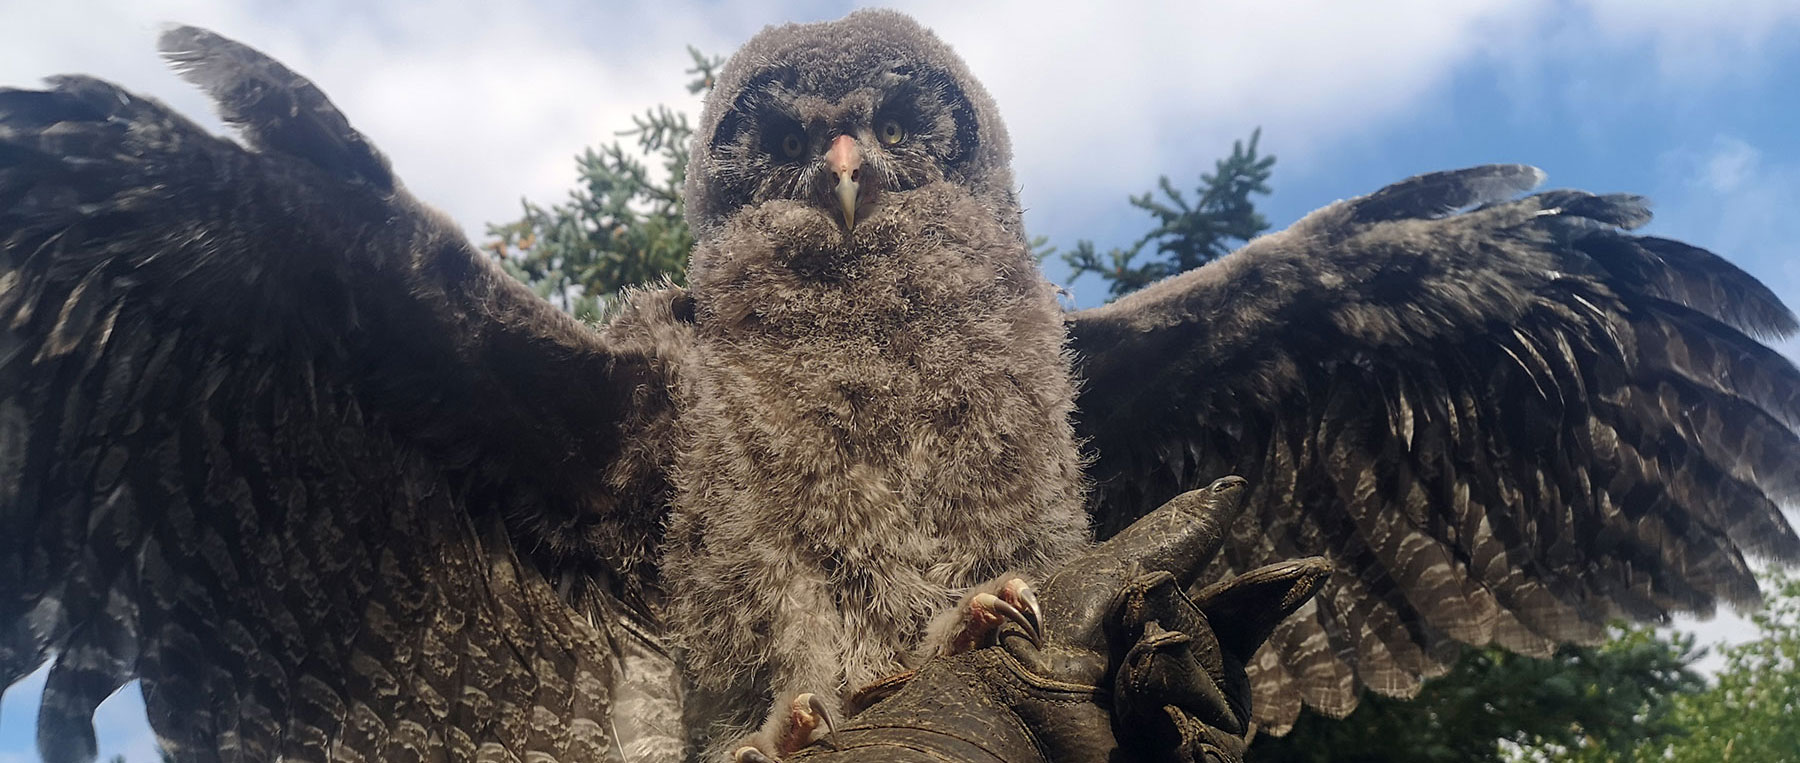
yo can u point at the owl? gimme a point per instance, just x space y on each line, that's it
278 441
878 415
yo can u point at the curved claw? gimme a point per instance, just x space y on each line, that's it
789 729
1019 593
999 606
820 713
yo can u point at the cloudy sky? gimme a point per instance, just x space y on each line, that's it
480 104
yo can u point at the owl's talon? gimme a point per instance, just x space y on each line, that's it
997 609
1019 605
1018 593
791 726
819 714
976 622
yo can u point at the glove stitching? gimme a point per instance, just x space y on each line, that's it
1042 683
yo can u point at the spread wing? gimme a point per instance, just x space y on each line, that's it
1504 424
276 439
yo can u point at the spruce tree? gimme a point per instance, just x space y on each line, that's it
622 224
1187 234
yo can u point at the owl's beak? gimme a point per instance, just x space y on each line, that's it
845 160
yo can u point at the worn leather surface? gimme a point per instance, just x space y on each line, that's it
1131 667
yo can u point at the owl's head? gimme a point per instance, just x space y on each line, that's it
848 116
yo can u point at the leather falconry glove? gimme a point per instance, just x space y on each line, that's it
1130 667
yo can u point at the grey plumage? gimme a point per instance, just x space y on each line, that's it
275 438
879 417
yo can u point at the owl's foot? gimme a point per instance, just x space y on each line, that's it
791 726
977 619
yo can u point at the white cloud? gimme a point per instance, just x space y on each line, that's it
1739 200
481 103
476 103
1100 98
1697 41
1103 97
1731 164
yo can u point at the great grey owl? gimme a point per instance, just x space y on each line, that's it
277 440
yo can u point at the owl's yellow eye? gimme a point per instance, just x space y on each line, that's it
792 146
891 133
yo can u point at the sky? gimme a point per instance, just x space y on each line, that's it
482 104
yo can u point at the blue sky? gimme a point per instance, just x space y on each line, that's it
1692 104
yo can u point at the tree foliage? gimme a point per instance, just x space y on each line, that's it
1187 234
1493 702
1750 712
622 224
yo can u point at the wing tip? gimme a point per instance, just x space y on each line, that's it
1497 182
274 107
191 52
1522 177
174 38
1435 194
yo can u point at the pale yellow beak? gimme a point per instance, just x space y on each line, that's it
845 160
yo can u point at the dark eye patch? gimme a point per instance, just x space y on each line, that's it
755 103
777 129
924 93
749 159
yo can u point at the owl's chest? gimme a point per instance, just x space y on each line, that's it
882 394
927 419
892 421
